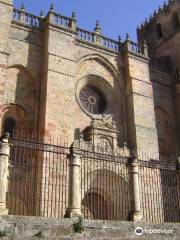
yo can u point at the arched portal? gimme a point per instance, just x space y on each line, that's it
94 206
105 194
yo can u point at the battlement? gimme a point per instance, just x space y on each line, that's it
162 25
161 10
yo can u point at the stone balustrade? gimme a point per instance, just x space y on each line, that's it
21 16
138 49
27 19
111 44
84 35
61 20
88 36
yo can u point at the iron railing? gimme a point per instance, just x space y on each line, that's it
159 191
39 183
105 187
38 179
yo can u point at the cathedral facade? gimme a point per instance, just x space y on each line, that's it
56 78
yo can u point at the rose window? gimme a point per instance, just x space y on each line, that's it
92 99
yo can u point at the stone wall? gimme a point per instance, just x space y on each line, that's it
27 227
139 96
164 111
162 35
49 64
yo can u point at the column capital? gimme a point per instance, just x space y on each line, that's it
133 163
75 159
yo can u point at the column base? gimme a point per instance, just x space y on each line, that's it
137 216
73 213
3 210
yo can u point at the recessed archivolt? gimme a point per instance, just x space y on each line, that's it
107 178
97 65
22 68
20 87
14 110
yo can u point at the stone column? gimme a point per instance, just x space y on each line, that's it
178 180
4 164
136 211
74 208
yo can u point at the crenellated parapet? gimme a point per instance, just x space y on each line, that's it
161 26
161 10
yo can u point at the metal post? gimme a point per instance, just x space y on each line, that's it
136 212
74 208
4 172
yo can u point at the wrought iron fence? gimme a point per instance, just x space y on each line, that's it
39 183
159 190
105 186
38 179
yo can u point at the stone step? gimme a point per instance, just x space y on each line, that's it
25 228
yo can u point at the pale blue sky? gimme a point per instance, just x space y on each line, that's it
116 16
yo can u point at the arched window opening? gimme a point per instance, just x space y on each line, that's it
9 125
159 31
175 21
94 206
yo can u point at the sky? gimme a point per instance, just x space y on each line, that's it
116 17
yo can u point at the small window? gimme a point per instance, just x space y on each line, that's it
159 31
175 21
9 125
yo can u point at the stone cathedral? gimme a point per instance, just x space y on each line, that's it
56 78
90 126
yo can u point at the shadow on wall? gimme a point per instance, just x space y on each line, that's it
106 196
165 131
170 198
20 101
22 113
23 81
